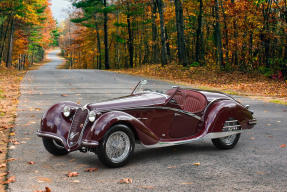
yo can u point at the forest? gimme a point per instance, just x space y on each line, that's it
27 29
223 35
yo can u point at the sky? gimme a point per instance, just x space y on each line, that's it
59 8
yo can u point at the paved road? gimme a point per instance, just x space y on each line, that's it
256 164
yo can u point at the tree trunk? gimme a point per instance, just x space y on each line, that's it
130 41
10 45
99 47
107 62
182 56
218 37
162 33
3 39
155 48
199 42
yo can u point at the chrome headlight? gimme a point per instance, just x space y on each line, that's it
92 116
67 111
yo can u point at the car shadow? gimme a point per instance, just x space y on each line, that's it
146 154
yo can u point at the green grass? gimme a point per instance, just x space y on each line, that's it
1 94
278 102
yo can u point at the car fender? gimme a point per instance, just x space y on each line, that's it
107 120
54 124
218 112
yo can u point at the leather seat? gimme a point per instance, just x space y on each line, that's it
189 100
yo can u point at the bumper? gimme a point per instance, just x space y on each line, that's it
84 143
252 122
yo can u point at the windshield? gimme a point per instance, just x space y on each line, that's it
152 86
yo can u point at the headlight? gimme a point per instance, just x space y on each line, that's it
67 111
92 116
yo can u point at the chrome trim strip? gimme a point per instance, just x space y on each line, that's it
233 121
93 144
231 126
222 134
252 122
39 134
163 108
208 136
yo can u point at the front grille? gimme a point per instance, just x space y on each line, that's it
77 126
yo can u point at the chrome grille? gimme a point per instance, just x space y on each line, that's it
77 126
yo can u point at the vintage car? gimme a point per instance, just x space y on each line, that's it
153 118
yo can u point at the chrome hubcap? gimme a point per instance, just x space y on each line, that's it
229 140
118 146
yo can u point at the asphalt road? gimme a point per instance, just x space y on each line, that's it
257 163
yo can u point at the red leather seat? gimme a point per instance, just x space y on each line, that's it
189 100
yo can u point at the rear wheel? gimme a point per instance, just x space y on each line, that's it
54 147
226 142
117 146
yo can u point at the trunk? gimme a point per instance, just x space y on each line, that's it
162 33
117 56
10 45
182 56
198 45
3 39
225 32
107 63
130 41
99 47
154 34
218 37
235 52
167 46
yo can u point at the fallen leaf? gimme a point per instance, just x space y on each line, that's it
38 109
75 181
91 169
12 147
283 146
43 180
11 179
10 159
260 173
12 134
252 138
3 174
31 162
1 151
197 164
146 187
73 174
64 95
47 189
126 181
171 167
2 165
188 183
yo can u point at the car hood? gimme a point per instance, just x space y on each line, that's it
132 101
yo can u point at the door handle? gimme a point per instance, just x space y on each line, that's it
177 114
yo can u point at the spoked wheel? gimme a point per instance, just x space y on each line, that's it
54 147
226 142
116 148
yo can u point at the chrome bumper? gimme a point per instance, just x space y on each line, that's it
252 122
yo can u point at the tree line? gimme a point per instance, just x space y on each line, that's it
27 28
226 35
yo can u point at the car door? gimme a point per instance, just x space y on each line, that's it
183 125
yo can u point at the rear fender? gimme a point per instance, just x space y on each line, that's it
107 120
220 111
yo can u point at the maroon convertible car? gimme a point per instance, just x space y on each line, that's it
152 118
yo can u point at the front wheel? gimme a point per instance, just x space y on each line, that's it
54 147
117 146
226 142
